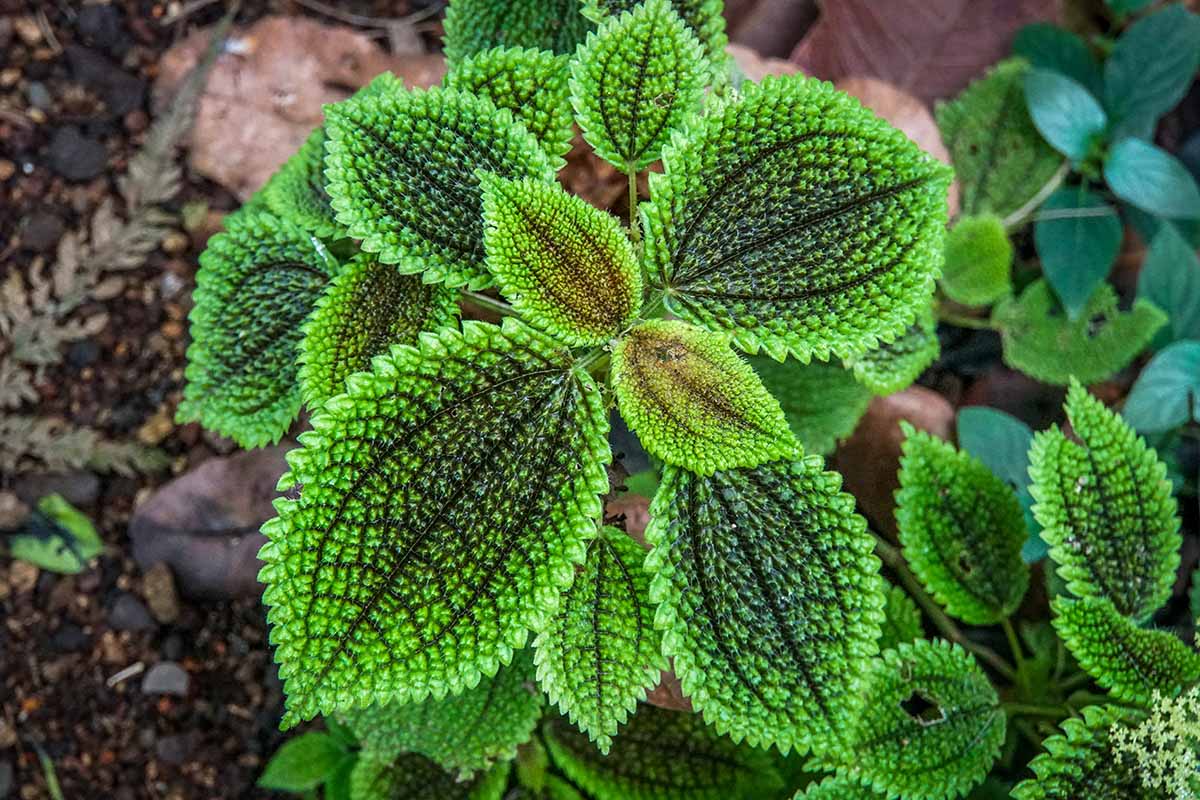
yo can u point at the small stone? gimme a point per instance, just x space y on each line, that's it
70 638
120 91
41 231
172 647
7 169
9 77
111 649
129 614
172 329
13 512
8 734
101 26
175 243
39 95
83 353
166 677
173 749
75 156
158 587
28 31
157 428
22 576
78 487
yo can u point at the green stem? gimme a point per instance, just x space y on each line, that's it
1014 644
1074 681
893 558
490 303
1021 215
635 227
962 320
1031 710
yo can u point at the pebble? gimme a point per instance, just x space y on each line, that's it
173 749
175 243
158 587
41 231
166 677
79 487
39 95
120 91
9 77
111 649
75 156
157 428
22 576
129 614
101 26
7 169
70 638
83 353
28 31
13 511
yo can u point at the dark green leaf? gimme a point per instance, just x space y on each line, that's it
473 26
822 402
1064 112
57 537
1165 394
978 266
895 365
1127 6
703 17
1052 48
837 787
1151 179
297 191
303 763
1078 236
1170 278
414 777
1151 68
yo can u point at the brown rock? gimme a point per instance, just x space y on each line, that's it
13 512
22 576
756 67
157 428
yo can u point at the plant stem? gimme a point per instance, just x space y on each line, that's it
962 320
1031 710
635 226
1074 681
1018 217
1014 644
490 303
893 558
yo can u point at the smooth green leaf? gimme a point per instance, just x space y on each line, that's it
635 81
1170 278
703 18
769 596
1040 340
473 26
566 267
1056 49
447 498
402 175
931 728
532 84
798 221
414 777
257 284
1078 236
1132 663
662 755
367 308
821 402
1000 159
600 654
1127 6
978 266
895 365
1064 112
1150 68
901 619
57 537
297 191
1165 394
1106 509
692 401
303 763
1151 179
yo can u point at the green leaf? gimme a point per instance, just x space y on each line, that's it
566 266
1194 595
414 777
1127 6
1052 48
600 653
961 528
999 157
978 267
1151 179
901 619
303 763
1043 343
836 787
464 733
1078 236
297 191
769 596
662 755
703 17
1082 762
797 220
821 402
1064 112
1106 509
402 175
1165 394
57 537
1150 69
532 84
634 82
932 728
367 308
1135 665
446 498
692 401
473 26
895 365
1170 278
256 285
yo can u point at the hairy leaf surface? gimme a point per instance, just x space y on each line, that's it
662 755
769 596
798 221
532 84
446 498
895 365
1041 341
693 402
297 191
566 266
703 17
961 528
1105 506
978 268
402 175
1131 662
636 80
600 653
414 777
368 307
822 402
473 26
901 619
258 281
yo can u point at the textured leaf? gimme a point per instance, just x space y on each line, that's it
837 788
978 268
414 777
1106 509
901 619
662 755
703 18
636 80
693 402
256 285
297 191
473 26
1152 179
769 596
368 307
1132 663
532 84
821 402
402 175
1050 47
933 725
462 733
446 499
566 267
1170 278
797 220
1043 343
1081 763
1000 159
600 653
1078 236
962 530
1164 396
1064 112
895 365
